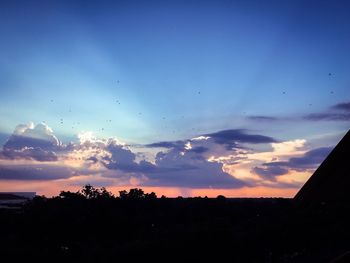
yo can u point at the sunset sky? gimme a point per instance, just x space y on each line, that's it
240 98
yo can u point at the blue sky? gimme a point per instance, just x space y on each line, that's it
148 71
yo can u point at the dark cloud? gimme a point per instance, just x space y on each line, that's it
338 112
18 142
185 163
189 169
309 161
205 175
34 172
123 159
168 145
178 167
230 138
262 118
276 184
270 172
28 153
345 106
199 149
328 116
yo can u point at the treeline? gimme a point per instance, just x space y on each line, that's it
91 192
94 193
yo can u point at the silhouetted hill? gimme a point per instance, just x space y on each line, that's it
331 181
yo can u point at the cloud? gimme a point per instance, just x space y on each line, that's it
231 138
262 118
34 153
199 149
186 163
337 112
189 169
164 144
39 136
31 142
183 165
345 106
328 116
28 153
269 172
178 167
309 161
35 172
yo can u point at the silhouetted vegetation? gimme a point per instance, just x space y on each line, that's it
93 224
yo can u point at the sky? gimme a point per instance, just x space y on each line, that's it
240 98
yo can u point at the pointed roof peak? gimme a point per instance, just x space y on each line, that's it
331 181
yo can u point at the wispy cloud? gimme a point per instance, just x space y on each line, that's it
337 112
328 116
262 118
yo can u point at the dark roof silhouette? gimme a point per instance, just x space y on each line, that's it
331 181
8 196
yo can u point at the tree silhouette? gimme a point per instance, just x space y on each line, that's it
90 192
136 194
151 196
70 195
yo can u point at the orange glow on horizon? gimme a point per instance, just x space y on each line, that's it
53 189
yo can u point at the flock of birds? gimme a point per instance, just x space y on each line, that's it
163 118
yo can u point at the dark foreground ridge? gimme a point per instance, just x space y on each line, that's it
92 225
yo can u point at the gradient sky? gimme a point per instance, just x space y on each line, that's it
264 86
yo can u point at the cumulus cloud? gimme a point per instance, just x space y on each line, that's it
188 168
38 136
183 164
192 162
34 153
31 142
